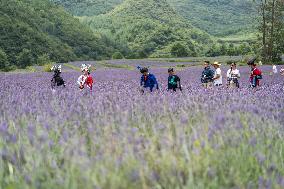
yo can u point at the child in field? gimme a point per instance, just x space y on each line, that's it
233 75
173 81
85 79
148 81
207 75
57 80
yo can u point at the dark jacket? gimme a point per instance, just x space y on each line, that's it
57 80
174 83
149 81
207 75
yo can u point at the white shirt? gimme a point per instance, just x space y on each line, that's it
274 68
219 80
233 73
81 80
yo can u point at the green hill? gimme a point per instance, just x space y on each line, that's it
150 28
217 17
88 7
34 31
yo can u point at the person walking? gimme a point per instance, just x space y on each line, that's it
256 74
85 79
57 80
217 79
207 75
148 81
173 81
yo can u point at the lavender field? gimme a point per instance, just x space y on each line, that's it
115 137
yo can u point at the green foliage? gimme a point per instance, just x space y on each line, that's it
147 27
270 25
43 59
88 7
34 28
179 50
216 17
229 49
47 67
117 55
25 58
4 63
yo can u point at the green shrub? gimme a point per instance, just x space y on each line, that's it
4 63
179 50
43 59
25 58
117 55
47 67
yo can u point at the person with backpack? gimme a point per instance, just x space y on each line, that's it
148 80
233 75
173 81
207 75
256 74
57 80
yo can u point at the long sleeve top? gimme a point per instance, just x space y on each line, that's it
207 75
149 81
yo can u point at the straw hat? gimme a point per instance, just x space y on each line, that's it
217 63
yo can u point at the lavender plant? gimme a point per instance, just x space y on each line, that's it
115 137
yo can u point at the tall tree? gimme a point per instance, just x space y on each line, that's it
271 27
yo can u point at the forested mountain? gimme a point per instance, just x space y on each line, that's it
216 17
38 31
88 7
32 31
150 28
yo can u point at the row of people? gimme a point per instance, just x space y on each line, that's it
149 82
210 77
85 80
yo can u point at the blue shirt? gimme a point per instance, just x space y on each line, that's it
149 81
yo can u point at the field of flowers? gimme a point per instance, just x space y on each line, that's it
115 137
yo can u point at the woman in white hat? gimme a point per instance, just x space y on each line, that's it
217 79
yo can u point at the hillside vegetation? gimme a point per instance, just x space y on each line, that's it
88 7
150 28
37 31
216 17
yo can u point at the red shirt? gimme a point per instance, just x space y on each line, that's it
255 72
89 82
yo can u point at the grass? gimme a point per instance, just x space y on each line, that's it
72 67
118 66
